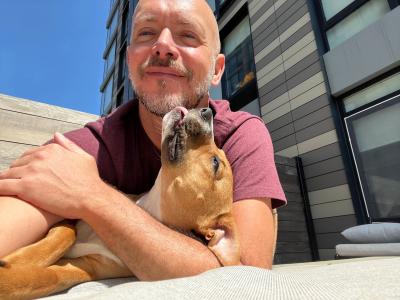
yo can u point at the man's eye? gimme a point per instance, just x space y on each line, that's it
188 35
215 163
144 33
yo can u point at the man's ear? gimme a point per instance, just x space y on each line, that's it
219 69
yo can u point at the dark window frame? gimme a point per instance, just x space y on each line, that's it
220 8
340 16
102 109
248 92
354 183
370 108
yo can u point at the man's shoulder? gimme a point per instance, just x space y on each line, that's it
115 119
227 122
224 114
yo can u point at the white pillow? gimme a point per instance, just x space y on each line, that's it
373 233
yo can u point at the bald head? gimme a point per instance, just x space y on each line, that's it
193 10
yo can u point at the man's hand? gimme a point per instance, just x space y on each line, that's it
57 178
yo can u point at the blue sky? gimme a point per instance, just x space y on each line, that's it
51 51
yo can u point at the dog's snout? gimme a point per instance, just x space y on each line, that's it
206 113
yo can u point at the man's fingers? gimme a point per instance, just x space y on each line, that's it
32 150
68 144
13 173
10 187
22 161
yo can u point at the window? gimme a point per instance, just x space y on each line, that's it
342 19
123 69
106 100
239 68
358 20
371 93
211 3
374 135
113 27
331 8
109 62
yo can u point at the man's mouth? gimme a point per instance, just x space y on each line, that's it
164 72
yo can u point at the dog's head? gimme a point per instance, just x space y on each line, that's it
194 168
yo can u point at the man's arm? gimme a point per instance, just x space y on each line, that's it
153 252
73 189
255 224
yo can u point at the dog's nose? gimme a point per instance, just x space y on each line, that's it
206 113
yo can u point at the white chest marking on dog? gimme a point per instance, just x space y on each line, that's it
87 241
151 201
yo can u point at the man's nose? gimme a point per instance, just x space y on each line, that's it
165 45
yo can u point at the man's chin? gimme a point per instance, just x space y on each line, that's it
160 105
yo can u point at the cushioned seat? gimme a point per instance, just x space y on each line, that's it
361 250
371 278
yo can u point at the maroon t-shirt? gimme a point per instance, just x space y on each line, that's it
127 159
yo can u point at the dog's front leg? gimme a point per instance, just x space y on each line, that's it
46 251
30 282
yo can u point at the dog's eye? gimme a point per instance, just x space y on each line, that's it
215 163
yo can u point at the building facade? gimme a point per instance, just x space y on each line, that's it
325 78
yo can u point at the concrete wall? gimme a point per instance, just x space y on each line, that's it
25 124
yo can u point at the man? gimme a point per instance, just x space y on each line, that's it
173 58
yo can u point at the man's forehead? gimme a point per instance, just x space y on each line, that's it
150 9
177 14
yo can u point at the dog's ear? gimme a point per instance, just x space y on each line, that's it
224 241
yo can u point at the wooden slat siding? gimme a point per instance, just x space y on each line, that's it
9 151
296 108
31 107
292 230
25 124
30 129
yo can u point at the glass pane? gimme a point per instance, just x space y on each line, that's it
375 137
238 49
109 60
107 97
358 20
332 7
237 36
212 4
373 92
112 27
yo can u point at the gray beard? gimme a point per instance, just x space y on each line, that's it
165 103
160 105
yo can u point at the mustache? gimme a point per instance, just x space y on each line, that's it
155 61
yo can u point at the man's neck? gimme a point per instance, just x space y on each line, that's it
152 124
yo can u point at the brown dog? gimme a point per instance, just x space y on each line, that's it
193 192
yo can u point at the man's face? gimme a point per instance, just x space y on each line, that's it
172 56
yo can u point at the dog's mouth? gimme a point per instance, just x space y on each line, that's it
179 125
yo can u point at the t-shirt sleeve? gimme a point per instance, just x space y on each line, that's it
250 152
